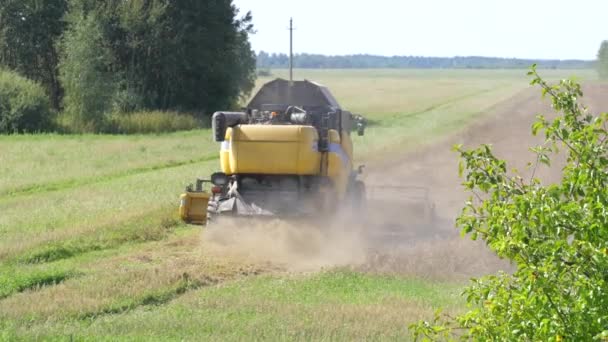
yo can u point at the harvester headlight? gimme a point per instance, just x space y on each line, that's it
219 179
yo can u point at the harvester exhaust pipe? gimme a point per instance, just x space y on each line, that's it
222 120
199 184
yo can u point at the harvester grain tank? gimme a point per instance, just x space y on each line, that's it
289 153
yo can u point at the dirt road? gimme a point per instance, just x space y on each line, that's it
508 129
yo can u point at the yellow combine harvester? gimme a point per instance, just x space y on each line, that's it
289 153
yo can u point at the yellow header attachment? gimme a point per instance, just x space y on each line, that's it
193 207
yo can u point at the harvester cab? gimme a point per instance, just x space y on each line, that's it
288 153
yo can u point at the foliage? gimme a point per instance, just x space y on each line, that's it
364 61
556 235
123 56
151 122
185 56
29 30
85 74
602 60
24 106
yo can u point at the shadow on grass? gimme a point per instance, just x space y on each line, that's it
152 298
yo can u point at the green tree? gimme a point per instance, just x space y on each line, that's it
86 73
602 60
24 106
556 235
169 55
29 30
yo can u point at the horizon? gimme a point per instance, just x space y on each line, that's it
435 28
419 56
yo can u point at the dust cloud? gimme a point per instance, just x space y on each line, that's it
294 246
439 253
394 234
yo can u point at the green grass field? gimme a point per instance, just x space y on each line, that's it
90 247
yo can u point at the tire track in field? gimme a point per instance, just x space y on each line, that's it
74 183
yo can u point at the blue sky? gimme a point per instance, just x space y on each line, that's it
559 29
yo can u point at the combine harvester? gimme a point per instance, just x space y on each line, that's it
289 155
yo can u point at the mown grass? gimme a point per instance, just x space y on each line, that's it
342 304
31 220
153 226
40 162
90 249
116 280
52 263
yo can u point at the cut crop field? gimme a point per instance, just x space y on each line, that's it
91 248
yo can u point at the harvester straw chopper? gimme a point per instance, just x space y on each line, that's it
288 154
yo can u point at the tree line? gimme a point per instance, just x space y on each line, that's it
267 60
96 57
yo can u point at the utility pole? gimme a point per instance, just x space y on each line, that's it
290 51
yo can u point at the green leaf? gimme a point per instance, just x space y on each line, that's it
536 127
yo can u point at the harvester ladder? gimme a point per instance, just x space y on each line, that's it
324 141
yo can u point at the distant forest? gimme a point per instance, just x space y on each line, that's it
313 61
